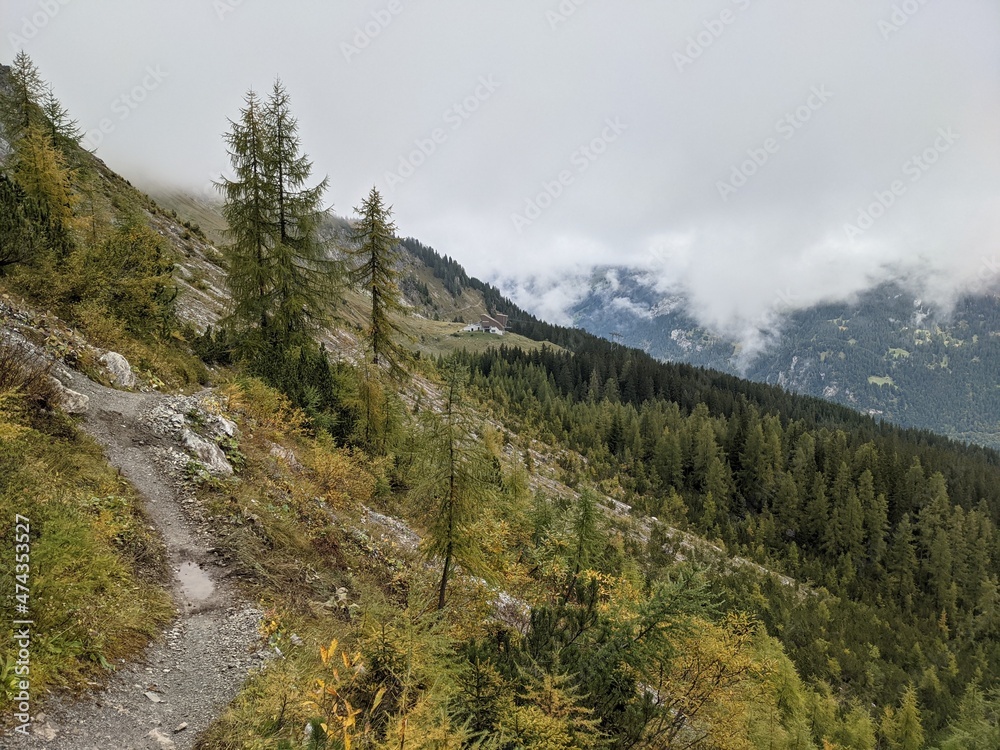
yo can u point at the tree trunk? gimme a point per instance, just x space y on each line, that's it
444 578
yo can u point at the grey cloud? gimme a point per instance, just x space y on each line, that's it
651 198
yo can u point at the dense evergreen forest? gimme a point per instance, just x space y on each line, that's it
586 548
900 531
895 527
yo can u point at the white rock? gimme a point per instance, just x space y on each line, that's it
223 427
285 454
70 401
119 369
207 452
43 729
154 697
161 740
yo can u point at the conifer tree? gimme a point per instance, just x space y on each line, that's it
585 538
901 564
129 273
279 277
63 129
786 507
22 107
902 729
249 203
33 102
482 694
978 724
847 526
455 483
552 715
373 269
817 513
42 173
19 239
876 517
303 274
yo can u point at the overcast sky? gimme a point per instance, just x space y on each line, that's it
756 155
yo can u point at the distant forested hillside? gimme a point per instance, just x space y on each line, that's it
887 353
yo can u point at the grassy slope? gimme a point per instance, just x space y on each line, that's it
430 327
432 337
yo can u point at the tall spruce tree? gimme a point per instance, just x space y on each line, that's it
373 269
280 277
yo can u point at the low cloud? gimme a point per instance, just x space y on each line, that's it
820 117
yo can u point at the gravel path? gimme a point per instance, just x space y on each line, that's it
186 677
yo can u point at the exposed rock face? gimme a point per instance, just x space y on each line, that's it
119 369
207 452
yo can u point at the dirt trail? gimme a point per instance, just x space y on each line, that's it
189 674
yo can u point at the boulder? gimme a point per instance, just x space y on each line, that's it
73 402
160 741
223 428
70 401
207 452
119 369
286 455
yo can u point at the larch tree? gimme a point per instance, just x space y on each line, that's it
280 277
303 272
456 483
902 729
249 203
63 129
373 269
22 107
586 538
41 171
